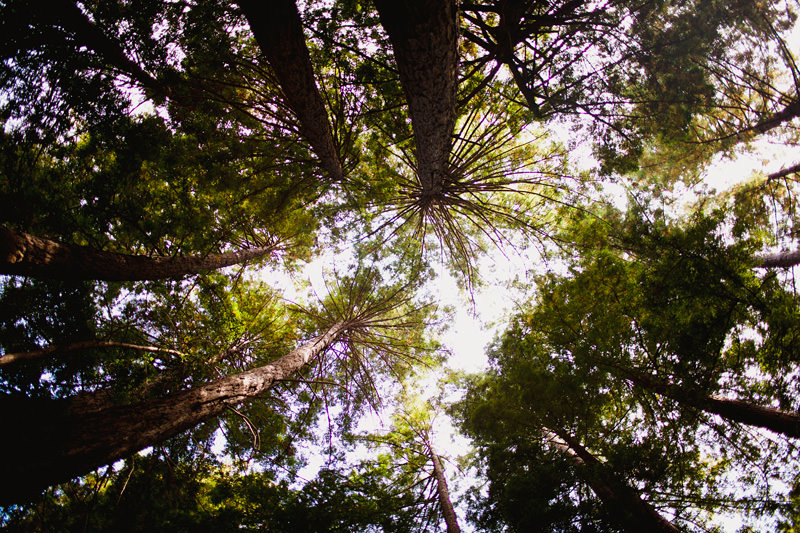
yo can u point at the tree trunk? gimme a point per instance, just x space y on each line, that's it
782 173
10 358
445 504
24 254
46 442
278 30
784 422
67 16
424 37
778 260
624 503
788 113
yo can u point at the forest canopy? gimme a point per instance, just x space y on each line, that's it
173 173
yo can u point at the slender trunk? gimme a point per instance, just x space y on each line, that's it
47 442
10 358
445 504
70 18
24 254
784 422
778 260
278 30
623 502
424 37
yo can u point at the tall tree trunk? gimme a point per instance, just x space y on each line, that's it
46 442
278 30
27 255
623 502
782 173
790 112
15 357
67 16
784 422
445 504
778 260
424 37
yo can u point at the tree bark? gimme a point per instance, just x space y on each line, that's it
790 112
777 420
623 502
424 37
278 31
778 260
47 442
782 173
24 254
15 357
445 504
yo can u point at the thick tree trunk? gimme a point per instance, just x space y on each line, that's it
15 357
778 260
776 420
47 442
445 504
782 173
623 502
24 254
790 112
278 30
424 37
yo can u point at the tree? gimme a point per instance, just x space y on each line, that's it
279 35
80 433
787 423
663 314
639 72
28 255
424 39
174 138
540 426
164 490
412 464
71 440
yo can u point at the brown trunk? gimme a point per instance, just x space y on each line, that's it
24 254
278 30
424 37
47 442
623 503
445 504
779 421
10 358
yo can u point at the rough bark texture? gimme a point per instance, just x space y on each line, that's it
424 37
778 260
623 502
278 30
24 254
776 420
445 504
15 357
47 442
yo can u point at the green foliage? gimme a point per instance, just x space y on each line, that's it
653 298
159 129
164 492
